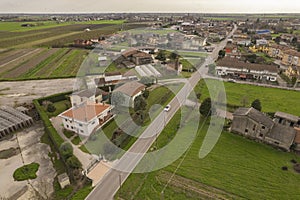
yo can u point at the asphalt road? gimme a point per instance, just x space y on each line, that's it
112 181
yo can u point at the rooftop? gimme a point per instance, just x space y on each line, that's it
85 112
287 116
130 88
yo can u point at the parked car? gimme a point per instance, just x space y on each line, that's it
231 80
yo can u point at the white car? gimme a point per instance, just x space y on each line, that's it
167 108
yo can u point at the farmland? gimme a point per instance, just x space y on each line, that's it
41 63
272 99
233 170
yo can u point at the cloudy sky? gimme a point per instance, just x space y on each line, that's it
207 6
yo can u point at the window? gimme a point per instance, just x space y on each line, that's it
71 127
66 120
254 126
246 130
81 131
261 135
94 122
80 124
67 126
263 127
276 143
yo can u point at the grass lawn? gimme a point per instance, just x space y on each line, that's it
76 140
272 99
237 168
26 172
68 133
60 107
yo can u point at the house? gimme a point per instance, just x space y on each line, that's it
291 58
92 95
277 51
130 90
85 118
243 70
142 58
258 126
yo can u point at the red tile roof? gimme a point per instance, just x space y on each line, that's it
85 112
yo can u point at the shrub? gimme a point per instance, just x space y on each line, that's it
73 162
51 108
66 150
26 172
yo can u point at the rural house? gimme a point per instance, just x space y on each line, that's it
86 117
256 125
91 95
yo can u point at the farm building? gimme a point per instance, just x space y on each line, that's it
12 120
130 90
85 118
256 125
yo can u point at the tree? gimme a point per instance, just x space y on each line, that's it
50 107
221 54
148 81
256 104
117 98
73 162
173 55
206 108
146 94
66 150
161 56
140 103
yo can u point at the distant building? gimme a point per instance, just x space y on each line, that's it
243 70
256 125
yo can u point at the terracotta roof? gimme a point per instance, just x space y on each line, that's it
85 112
292 52
130 88
235 63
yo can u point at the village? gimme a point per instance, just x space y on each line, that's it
131 79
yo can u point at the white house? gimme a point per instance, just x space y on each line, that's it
86 117
130 91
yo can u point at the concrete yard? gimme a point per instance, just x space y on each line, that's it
32 151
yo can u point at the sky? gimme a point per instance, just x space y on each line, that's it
197 6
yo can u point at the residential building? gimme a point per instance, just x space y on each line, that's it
243 70
85 118
291 58
256 125
92 95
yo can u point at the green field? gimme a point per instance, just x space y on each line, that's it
272 99
16 26
237 168
44 63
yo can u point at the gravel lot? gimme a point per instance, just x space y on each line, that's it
17 92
